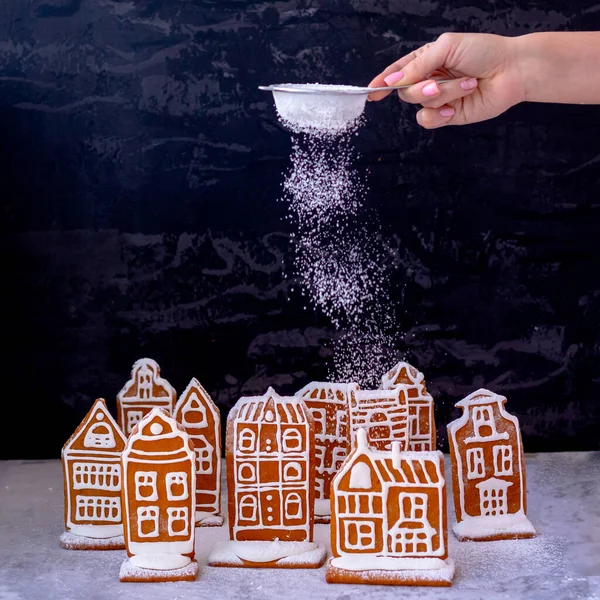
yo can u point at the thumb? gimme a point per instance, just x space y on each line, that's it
426 60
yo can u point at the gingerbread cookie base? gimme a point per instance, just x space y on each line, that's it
274 555
130 573
204 519
70 541
357 569
492 528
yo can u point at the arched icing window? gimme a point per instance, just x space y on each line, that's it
292 472
360 477
292 440
99 435
293 506
247 440
193 413
248 508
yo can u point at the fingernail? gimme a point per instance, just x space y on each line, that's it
431 89
468 84
393 78
447 112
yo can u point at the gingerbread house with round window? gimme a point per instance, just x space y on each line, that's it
488 471
91 460
144 391
270 485
200 417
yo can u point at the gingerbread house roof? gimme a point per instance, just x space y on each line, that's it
481 396
187 396
97 416
323 390
402 374
159 381
394 466
270 408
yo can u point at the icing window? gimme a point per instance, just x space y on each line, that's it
320 417
193 413
99 435
339 456
133 418
248 508
98 508
493 501
293 506
144 382
247 440
178 520
145 486
292 472
147 521
292 440
320 456
483 422
99 476
177 486
204 463
360 535
475 463
360 476
247 472
413 507
341 424
503 462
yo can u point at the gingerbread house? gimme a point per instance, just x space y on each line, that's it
200 417
270 485
388 521
159 480
144 391
328 405
488 470
421 422
91 460
383 413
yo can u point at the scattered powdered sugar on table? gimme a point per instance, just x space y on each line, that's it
341 259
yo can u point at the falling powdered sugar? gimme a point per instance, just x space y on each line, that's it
341 260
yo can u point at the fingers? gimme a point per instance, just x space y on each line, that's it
434 95
433 118
413 67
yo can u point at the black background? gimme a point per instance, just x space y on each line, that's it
141 172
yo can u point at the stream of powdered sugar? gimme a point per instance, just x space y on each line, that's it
341 260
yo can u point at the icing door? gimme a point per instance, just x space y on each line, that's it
270 508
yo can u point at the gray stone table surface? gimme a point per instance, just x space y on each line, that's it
562 563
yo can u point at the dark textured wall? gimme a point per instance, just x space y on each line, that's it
141 169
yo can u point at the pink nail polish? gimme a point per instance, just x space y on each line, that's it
447 112
431 89
393 78
468 84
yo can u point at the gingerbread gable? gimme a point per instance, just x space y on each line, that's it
422 434
144 391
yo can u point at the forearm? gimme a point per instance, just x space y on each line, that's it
560 67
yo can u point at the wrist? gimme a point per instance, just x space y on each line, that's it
526 64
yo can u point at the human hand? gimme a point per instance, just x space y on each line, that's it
485 67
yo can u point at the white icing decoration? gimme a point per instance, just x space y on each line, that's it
156 428
96 531
362 562
285 421
485 412
475 463
174 481
98 508
145 486
160 562
378 481
263 552
147 521
485 526
97 476
178 521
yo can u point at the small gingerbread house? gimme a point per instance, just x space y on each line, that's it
388 521
91 460
144 391
270 485
488 470
383 413
200 417
328 405
159 480
421 422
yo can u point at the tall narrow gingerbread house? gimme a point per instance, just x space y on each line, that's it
270 485
488 471
159 480
383 413
421 421
91 460
144 391
388 522
200 417
328 405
